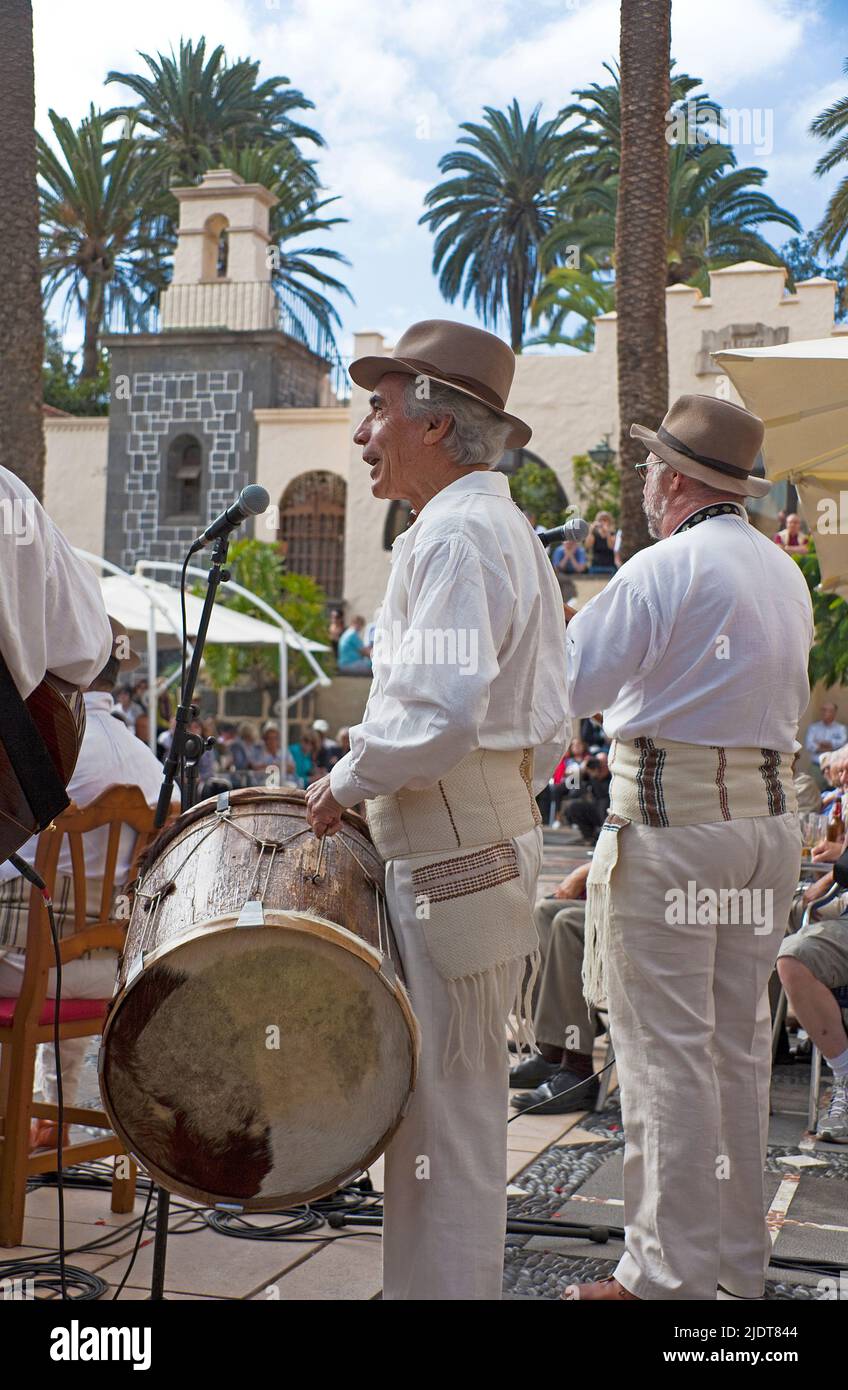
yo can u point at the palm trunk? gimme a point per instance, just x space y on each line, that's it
641 233
21 323
92 330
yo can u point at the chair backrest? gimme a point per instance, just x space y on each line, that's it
116 808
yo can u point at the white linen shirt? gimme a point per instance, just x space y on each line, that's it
702 638
469 648
110 755
52 615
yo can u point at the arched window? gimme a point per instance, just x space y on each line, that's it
216 231
312 524
183 491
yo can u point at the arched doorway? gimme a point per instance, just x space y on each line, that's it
312 524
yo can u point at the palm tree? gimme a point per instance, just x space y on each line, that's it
98 245
640 245
715 209
568 290
832 124
21 331
191 106
494 214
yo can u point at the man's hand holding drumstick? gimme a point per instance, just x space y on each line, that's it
323 812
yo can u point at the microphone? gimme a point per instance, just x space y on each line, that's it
251 501
574 530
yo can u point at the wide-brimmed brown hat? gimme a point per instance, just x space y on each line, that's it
472 361
711 439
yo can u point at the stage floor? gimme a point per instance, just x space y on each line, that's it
561 1167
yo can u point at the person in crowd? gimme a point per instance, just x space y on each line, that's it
327 752
570 558
124 707
560 1072
336 626
303 755
343 740
602 541
110 755
812 963
592 734
826 734
564 782
586 808
354 657
792 537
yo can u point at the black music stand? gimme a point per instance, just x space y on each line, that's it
182 757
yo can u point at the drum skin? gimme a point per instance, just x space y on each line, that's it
253 1065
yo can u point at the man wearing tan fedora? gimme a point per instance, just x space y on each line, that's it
465 722
702 677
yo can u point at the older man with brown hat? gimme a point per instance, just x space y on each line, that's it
702 677
465 722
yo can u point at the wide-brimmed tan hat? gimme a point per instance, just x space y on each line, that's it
472 361
711 439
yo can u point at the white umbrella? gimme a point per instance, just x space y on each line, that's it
126 600
800 391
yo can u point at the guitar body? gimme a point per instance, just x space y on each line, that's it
58 711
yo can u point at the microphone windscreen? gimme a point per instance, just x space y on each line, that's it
254 499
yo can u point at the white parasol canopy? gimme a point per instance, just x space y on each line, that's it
800 391
126 600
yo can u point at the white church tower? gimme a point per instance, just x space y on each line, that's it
222 262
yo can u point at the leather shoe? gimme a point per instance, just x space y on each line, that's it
601 1290
556 1096
532 1071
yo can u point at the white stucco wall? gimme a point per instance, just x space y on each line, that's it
569 399
75 477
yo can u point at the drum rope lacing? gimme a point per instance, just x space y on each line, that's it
383 934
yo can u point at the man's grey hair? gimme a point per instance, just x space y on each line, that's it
478 435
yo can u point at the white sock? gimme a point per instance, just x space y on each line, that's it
839 1065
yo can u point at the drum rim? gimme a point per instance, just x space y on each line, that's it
395 986
237 797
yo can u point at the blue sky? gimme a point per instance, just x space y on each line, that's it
393 81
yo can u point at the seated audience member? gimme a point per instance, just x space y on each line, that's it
602 541
267 754
565 782
586 809
592 734
810 800
124 708
570 558
110 755
343 740
792 538
811 963
302 757
354 658
335 627
826 734
561 1072
327 752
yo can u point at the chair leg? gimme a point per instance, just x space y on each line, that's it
779 1020
14 1151
815 1088
123 1183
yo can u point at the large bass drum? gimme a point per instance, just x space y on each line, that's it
260 1047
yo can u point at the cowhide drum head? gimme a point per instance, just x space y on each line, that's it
258 1067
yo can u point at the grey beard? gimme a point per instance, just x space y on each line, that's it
654 522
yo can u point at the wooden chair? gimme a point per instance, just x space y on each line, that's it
28 1020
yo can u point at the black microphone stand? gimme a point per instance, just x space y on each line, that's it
183 755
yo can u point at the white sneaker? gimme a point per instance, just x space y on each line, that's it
835 1127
